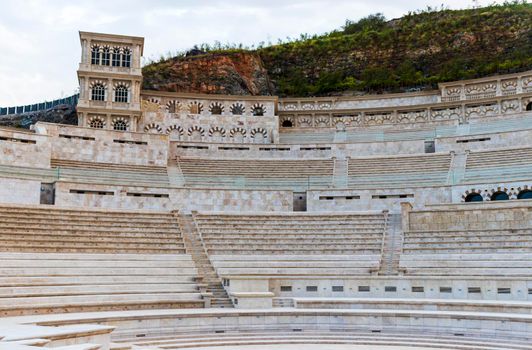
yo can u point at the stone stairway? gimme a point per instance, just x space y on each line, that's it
340 173
392 246
175 175
457 168
194 246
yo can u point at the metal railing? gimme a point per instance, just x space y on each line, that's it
70 100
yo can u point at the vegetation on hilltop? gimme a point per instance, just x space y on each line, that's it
371 55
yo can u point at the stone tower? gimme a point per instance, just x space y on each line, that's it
110 79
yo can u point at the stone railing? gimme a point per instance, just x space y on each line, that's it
504 85
442 113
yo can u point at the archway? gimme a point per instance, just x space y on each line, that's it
287 123
499 196
474 197
525 194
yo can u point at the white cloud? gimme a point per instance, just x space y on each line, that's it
40 45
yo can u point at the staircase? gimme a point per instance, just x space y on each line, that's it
194 246
175 175
340 173
392 246
457 169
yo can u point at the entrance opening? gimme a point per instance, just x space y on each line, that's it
300 201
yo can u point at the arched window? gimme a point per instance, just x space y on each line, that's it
98 92
106 56
121 93
95 55
287 123
525 194
529 106
116 57
474 197
120 125
126 58
96 123
499 196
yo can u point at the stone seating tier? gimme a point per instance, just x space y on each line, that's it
402 171
470 239
293 244
508 164
256 173
524 307
35 283
110 173
61 230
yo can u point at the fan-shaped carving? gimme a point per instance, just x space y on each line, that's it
234 132
153 128
195 129
175 130
237 109
120 123
216 131
173 106
259 133
258 109
195 107
216 108
97 122
97 82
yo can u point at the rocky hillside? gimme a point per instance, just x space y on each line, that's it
372 55
238 73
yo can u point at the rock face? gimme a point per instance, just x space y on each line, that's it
62 114
411 53
233 74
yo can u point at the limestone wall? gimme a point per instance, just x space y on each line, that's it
483 142
105 146
469 216
24 149
117 197
294 151
17 191
486 190
232 200
210 118
212 128
154 198
385 199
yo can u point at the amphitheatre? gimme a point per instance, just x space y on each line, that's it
169 220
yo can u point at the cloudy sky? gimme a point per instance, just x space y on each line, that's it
40 44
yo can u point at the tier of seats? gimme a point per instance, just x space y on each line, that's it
110 173
523 307
276 245
70 260
334 340
254 173
492 166
36 283
403 171
47 230
474 240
